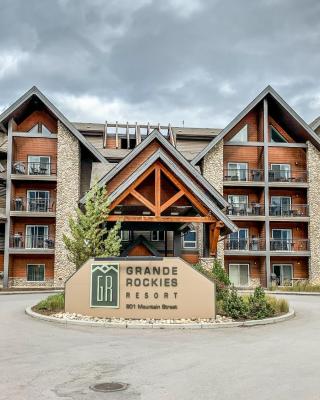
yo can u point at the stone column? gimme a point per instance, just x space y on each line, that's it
313 163
213 172
68 194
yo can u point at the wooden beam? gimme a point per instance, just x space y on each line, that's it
138 136
128 191
143 200
172 200
128 135
190 196
214 233
150 218
158 190
105 135
117 136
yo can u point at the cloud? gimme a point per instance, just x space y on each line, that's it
200 61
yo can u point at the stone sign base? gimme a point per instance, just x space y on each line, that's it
140 288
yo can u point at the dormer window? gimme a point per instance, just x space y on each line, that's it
275 136
40 128
241 136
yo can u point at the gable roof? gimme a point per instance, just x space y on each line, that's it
34 91
138 241
315 124
156 135
268 91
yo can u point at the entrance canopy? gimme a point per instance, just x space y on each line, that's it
155 188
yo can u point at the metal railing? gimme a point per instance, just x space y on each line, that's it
18 241
295 210
250 244
2 241
288 176
289 245
33 168
242 209
32 205
243 175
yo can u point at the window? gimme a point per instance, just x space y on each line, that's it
38 200
39 165
37 237
239 203
238 171
35 272
281 240
189 240
125 236
280 205
276 137
239 240
157 236
40 128
283 273
124 143
241 136
239 274
280 172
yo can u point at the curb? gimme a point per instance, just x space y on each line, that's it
137 325
30 292
270 292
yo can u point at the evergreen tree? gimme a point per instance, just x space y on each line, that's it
89 236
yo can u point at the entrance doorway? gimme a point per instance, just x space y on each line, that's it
284 274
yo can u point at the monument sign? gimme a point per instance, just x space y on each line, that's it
140 287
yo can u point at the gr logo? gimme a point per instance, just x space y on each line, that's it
105 285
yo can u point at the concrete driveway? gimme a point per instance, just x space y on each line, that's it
40 360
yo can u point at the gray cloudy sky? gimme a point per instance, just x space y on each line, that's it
200 61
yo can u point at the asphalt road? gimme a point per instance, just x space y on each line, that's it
41 360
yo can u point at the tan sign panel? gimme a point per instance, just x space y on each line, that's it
167 288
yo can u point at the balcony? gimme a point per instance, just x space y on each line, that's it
234 177
2 241
21 206
22 170
294 177
298 211
243 211
25 244
289 245
245 245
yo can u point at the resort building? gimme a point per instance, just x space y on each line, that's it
246 194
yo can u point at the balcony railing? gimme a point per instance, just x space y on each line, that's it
1 242
242 209
252 244
289 245
33 168
32 205
295 210
288 176
243 175
18 241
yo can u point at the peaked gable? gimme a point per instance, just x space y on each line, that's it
155 135
34 91
268 92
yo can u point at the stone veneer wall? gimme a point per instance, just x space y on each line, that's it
313 168
68 194
22 282
213 172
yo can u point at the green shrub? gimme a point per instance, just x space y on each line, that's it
258 305
51 303
218 275
234 305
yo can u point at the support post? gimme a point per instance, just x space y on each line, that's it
8 203
266 188
177 244
214 233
